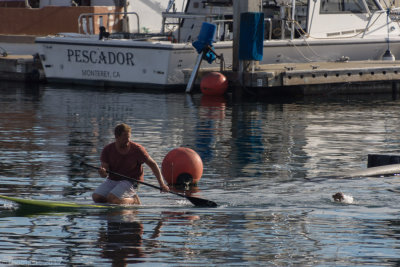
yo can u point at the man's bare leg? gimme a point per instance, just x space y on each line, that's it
135 200
98 198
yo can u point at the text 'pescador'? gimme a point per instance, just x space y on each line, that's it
100 57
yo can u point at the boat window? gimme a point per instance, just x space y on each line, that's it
372 5
342 6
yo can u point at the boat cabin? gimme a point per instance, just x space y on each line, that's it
286 19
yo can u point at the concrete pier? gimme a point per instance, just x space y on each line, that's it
24 68
322 73
315 77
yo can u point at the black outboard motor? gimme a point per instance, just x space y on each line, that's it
103 33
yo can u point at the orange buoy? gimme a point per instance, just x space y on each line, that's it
182 166
214 83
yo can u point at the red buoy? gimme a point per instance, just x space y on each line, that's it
182 166
214 83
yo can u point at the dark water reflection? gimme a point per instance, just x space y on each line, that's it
256 154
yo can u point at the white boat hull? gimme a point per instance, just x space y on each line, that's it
162 64
300 51
113 62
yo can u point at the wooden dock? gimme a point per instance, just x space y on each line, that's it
283 78
23 68
316 77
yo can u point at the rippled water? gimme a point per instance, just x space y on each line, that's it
256 155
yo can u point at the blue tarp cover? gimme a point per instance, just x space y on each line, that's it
251 36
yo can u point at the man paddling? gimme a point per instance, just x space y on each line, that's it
124 157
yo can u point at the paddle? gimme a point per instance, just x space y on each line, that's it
199 202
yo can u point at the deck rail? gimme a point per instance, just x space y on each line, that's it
86 21
220 23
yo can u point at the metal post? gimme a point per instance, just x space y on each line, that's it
293 17
240 6
194 73
125 19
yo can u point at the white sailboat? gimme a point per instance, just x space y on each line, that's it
295 31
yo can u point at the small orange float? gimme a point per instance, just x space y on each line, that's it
182 166
214 83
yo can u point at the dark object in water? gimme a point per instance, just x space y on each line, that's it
339 197
184 180
376 160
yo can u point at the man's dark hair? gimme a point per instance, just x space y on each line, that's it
121 128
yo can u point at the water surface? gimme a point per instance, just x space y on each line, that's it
256 155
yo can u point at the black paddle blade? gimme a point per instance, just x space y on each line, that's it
199 202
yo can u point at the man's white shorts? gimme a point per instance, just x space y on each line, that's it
120 189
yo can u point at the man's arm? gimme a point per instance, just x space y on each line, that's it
157 173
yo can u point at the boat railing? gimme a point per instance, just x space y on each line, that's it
87 21
269 21
179 17
220 23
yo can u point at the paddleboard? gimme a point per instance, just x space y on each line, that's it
53 205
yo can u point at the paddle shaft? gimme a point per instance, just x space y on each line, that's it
196 201
131 179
